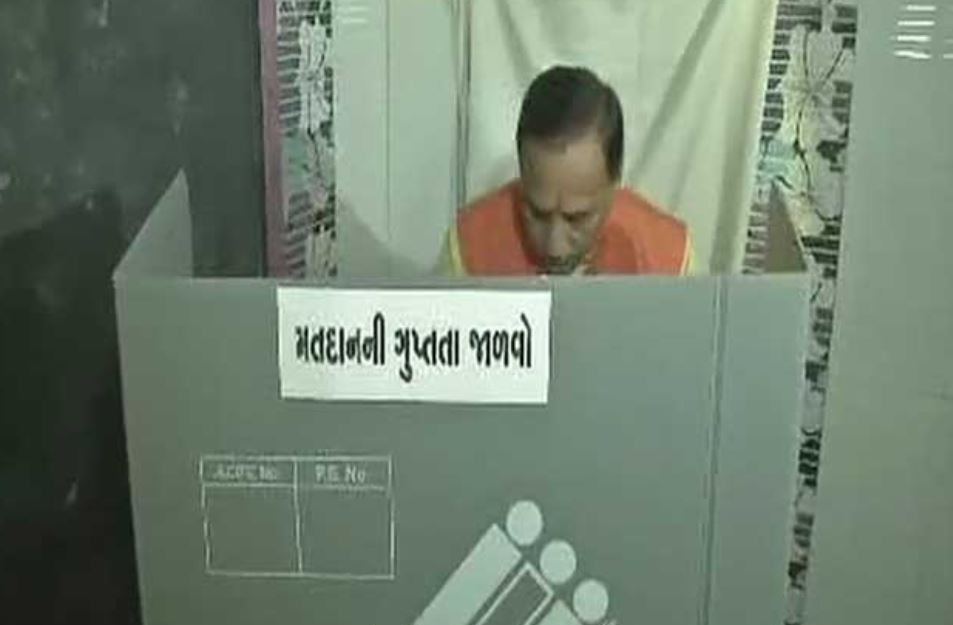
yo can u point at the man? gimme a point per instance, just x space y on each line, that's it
567 214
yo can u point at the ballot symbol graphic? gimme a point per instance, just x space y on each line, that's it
498 583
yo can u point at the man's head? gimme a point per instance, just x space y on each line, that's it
570 143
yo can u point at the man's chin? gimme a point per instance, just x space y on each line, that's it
560 269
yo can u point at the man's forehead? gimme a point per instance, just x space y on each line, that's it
578 169
582 153
589 140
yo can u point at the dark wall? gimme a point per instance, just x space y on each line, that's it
101 102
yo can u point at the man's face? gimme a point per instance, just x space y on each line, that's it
566 196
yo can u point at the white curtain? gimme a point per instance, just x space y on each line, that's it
691 76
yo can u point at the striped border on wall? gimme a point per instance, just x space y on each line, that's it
803 154
298 96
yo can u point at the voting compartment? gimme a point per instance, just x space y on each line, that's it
549 452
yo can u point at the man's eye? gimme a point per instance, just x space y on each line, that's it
577 218
536 211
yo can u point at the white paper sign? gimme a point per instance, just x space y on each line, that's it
439 346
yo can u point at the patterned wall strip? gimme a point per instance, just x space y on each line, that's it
305 114
804 138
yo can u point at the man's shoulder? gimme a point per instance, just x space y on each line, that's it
486 239
490 204
659 238
633 208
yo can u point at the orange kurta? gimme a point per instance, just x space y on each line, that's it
636 238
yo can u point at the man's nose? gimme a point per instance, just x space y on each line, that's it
558 243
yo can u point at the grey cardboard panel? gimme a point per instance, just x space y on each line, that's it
163 246
884 536
883 542
616 462
760 376
665 456
784 253
894 326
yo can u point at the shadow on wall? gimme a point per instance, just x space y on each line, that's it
99 94
363 255
66 549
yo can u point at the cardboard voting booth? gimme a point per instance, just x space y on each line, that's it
554 452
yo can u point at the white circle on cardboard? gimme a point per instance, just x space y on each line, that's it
524 523
558 562
591 601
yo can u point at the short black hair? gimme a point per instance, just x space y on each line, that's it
566 102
